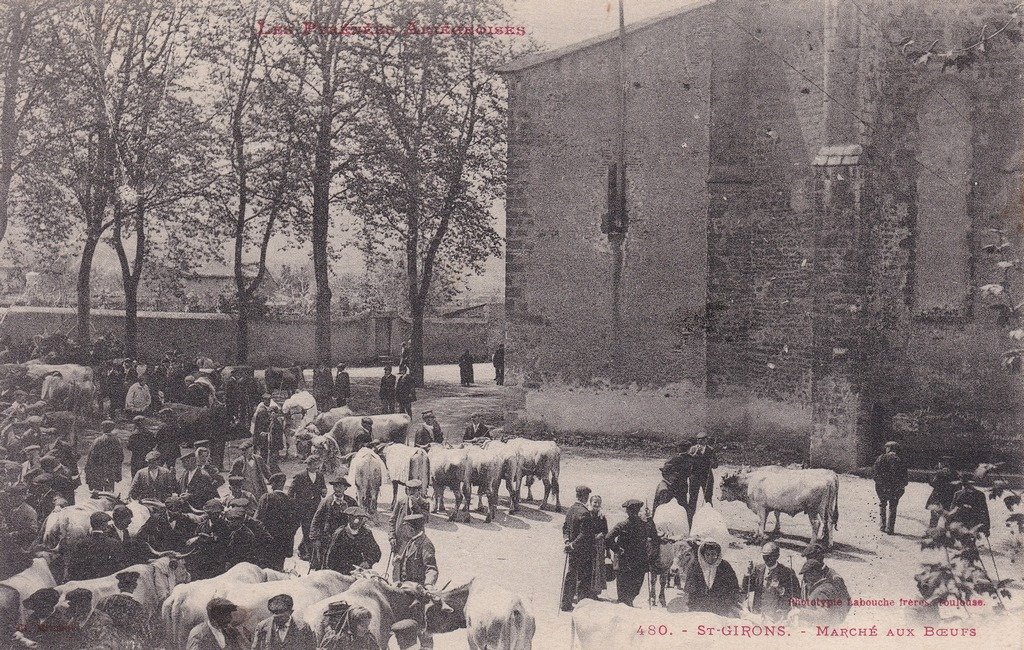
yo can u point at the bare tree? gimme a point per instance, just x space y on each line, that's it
433 154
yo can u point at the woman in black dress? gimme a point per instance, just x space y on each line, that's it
711 584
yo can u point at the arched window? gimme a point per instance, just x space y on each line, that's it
941 253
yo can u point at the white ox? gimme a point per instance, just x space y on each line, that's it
72 522
326 420
367 472
599 625
37 576
497 619
186 604
157 579
405 463
814 492
251 599
511 469
542 459
387 427
70 371
485 468
449 468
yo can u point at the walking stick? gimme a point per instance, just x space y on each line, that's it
388 567
561 594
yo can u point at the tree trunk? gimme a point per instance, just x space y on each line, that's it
416 335
321 223
242 334
8 117
85 288
131 318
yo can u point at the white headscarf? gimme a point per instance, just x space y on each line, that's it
708 569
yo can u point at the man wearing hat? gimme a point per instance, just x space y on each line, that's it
405 391
140 442
98 554
578 534
969 506
416 561
208 554
67 453
412 503
890 482
167 528
329 517
252 469
259 425
237 493
427 432
242 544
126 612
220 631
197 484
31 460
822 584
279 515
944 485
104 461
307 490
353 546
772 584
38 623
342 386
281 630
348 628
476 429
631 541
154 481
701 476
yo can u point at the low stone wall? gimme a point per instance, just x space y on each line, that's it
281 341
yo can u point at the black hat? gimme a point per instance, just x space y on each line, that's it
46 598
633 504
340 480
98 519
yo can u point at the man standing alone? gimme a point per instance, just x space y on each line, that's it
499 364
405 391
578 535
387 391
890 482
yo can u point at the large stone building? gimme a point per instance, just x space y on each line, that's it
810 186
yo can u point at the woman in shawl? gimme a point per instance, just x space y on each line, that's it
711 584
598 580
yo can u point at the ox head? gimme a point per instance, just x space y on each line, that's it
445 610
734 487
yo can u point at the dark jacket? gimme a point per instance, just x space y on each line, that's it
890 475
278 514
201 488
971 508
298 637
416 562
631 541
162 536
95 556
943 488
348 551
772 598
307 494
405 389
201 638
831 588
578 530
342 387
479 431
722 598
140 443
144 487
387 387
104 461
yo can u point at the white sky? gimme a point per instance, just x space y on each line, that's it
556 23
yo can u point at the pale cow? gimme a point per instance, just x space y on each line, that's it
485 468
157 579
405 463
367 472
541 459
389 427
449 469
326 420
72 522
814 492
497 619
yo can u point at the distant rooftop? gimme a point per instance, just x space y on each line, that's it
533 60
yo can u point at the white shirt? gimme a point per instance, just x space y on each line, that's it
312 477
282 631
218 636
154 472
189 475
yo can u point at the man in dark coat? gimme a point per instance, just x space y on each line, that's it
329 517
279 515
153 481
365 436
466 369
103 465
427 432
773 585
822 584
944 485
220 624
499 364
281 630
65 451
701 478
97 555
134 552
242 545
969 506
197 484
631 541
342 386
416 562
387 391
307 490
167 528
412 503
476 429
578 535
353 546
140 442
209 550
890 483
405 392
